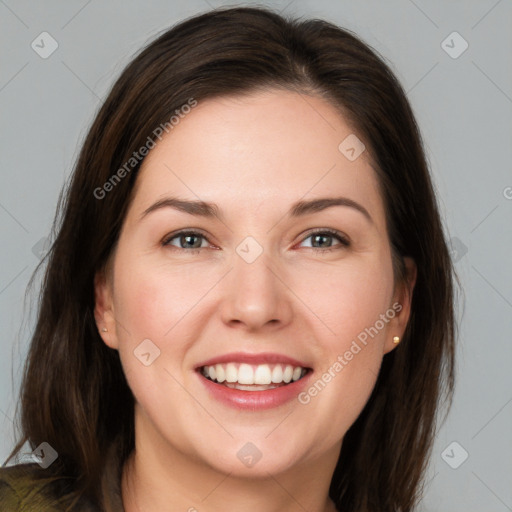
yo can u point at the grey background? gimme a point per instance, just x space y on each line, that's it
463 106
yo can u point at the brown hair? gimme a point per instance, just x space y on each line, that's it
74 393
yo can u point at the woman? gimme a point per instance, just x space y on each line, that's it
249 299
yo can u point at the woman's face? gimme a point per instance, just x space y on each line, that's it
266 281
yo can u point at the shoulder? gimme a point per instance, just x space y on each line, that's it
15 486
27 488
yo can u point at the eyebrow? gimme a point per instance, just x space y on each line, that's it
298 209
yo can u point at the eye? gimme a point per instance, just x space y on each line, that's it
191 241
187 240
321 237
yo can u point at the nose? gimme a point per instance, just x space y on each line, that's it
256 295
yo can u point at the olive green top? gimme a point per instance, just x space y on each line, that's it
25 488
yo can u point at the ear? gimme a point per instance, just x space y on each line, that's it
104 309
401 304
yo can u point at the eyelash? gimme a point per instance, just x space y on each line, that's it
344 243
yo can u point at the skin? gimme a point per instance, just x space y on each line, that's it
254 156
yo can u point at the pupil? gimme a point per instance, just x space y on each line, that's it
317 237
188 238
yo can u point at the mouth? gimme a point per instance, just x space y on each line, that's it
254 381
250 377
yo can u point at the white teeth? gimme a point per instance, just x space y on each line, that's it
251 387
288 374
277 374
221 374
262 376
231 373
245 374
297 372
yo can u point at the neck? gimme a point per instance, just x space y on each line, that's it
157 476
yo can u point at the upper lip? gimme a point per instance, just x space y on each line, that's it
244 357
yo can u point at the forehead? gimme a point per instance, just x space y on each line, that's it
267 146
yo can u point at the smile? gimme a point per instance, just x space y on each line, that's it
254 381
249 377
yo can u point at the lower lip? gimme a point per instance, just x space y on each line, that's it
255 400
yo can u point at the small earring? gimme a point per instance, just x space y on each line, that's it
396 340
104 329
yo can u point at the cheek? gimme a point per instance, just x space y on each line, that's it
349 299
354 301
151 300
151 304
159 303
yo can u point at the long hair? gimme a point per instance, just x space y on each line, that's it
74 394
